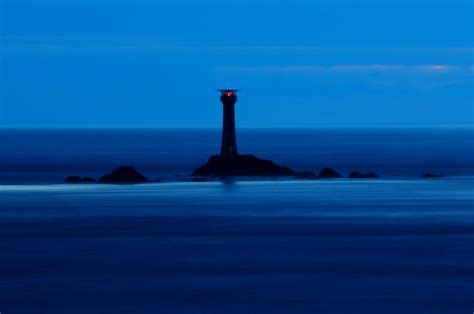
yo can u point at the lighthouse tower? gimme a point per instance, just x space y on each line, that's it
229 142
229 163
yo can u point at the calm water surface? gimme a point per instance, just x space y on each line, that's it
395 245
39 156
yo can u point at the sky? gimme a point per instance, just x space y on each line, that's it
299 63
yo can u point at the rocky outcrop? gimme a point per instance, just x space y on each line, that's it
241 165
123 175
78 179
358 175
200 180
328 173
306 175
431 176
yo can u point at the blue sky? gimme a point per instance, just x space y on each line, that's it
156 63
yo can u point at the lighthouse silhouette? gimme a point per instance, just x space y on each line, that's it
229 163
229 141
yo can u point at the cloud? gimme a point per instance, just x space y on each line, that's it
309 48
14 42
351 68
433 76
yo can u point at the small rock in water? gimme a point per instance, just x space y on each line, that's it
124 174
431 175
358 175
73 179
306 175
328 173
78 179
200 180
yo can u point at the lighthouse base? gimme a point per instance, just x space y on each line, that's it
241 165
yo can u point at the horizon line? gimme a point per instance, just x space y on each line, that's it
247 127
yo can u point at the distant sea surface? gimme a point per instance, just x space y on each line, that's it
399 244
48 156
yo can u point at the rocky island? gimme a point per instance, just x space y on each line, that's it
120 175
328 173
431 175
241 165
359 175
124 174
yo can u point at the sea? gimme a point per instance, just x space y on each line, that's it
398 244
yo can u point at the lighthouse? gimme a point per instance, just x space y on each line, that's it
229 141
229 163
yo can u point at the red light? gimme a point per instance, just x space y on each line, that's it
229 94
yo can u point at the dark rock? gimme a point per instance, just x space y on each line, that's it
77 179
124 174
328 173
358 175
306 175
200 180
241 165
431 176
73 179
